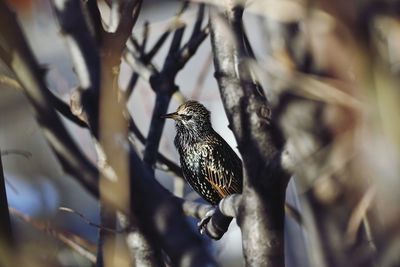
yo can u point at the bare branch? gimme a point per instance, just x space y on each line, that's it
23 153
87 221
57 103
158 44
21 60
359 214
96 20
145 60
65 110
83 247
85 56
222 217
10 82
165 214
258 142
195 209
129 14
162 217
163 83
7 241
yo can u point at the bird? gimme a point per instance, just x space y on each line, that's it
208 163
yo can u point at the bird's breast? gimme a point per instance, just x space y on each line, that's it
191 155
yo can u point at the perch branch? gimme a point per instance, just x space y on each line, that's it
247 110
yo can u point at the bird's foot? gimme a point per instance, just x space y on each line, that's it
202 225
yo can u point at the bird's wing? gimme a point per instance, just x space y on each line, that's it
222 168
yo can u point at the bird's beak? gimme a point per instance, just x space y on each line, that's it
174 116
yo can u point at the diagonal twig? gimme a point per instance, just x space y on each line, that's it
83 247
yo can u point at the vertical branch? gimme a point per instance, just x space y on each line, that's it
95 19
7 245
163 82
113 135
262 207
106 254
160 216
103 88
154 136
171 231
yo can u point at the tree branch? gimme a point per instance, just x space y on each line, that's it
7 241
85 56
171 166
165 213
163 83
96 20
57 103
162 218
65 110
83 247
248 114
20 59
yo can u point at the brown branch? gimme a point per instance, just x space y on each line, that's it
160 207
10 82
112 126
359 214
114 43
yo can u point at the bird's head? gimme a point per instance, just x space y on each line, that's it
191 116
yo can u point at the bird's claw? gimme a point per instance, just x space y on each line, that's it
202 225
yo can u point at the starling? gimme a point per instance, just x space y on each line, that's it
208 163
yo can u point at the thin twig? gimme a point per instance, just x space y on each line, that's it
89 222
7 239
23 153
10 82
82 246
57 103
359 214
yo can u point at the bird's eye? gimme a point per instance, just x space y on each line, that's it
188 117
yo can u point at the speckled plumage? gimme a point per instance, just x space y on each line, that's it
208 163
